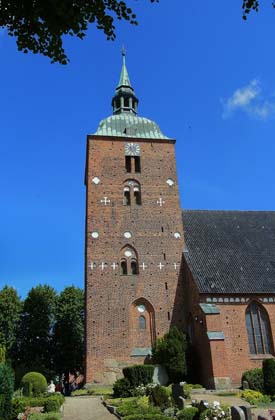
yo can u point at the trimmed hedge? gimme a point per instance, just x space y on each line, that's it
19 404
255 379
34 384
6 390
139 374
269 376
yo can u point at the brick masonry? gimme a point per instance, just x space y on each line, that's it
221 362
113 330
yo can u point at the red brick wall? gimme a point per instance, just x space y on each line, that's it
222 362
111 315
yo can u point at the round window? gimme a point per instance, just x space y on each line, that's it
141 308
128 253
127 235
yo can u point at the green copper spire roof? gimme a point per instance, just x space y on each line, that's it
124 77
125 99
124 122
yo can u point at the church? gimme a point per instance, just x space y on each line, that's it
149 265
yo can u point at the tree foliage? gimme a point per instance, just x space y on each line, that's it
69 330
39 25
170 352
10 312
6 391
249 5
35 339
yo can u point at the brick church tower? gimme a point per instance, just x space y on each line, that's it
134 238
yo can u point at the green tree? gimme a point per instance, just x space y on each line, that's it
6 391
249 5
69 330
170 352
10 312
34 350
40 25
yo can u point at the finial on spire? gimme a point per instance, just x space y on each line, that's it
124 99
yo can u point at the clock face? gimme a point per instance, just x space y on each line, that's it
132 149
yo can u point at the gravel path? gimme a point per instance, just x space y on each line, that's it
85 408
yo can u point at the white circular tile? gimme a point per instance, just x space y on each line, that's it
170 182
128 253
177 235
127 235
95 234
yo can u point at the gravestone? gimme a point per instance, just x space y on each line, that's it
237 413
160 375
203 405
247 412
245 385
178 395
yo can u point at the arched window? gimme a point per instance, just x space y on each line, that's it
132 193
258 329
134 267
123 267
137 195
127 196
142 322
128 261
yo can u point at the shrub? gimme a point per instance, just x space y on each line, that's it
34 384
44 416
122 388
269 376
255 379
51 404
197 386
189 413
6 390
216 412
187 389
134 406
147 417
160 396
139 374
254 397
170 352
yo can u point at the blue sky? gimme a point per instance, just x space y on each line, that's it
201 72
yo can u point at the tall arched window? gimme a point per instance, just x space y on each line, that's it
258 329
128 261
142 322
123 267
127 196
131 193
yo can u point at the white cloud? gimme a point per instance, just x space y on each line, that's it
250 100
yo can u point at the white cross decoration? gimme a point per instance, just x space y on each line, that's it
143 266
93 265
161 266
103 265
161 202
105 201
176 265
114 265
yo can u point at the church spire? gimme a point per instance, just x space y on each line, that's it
124 99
